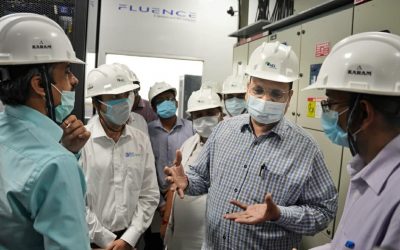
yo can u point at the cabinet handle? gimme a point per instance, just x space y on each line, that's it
328 232
298 33
293 113
298 114
303 31
300 74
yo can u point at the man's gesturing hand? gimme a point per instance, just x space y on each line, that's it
176 175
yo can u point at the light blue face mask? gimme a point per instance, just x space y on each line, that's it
235 106
66 106
166 109
117 111
329 122
265 112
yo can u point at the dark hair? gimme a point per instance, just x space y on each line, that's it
388 106
15 90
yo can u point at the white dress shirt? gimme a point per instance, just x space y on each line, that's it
122 190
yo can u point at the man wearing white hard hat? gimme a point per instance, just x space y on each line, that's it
167 134
362 81
42 188
205 109
118 163
135 120
233 93
266 179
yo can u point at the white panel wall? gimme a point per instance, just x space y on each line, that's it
197 29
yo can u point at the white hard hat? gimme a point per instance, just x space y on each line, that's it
202 99
158 88
234 85
275 62
131 75
215 86
363 63
107 80
27 38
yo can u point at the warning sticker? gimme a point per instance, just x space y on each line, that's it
322 49
314 108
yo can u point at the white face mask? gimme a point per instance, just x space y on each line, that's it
265 112
204 125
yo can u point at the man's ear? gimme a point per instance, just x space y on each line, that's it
37 86
367 113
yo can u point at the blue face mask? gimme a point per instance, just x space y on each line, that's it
329 122
265 112
166 109
118 111
66 106
235 106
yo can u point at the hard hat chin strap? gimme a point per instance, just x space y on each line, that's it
46 82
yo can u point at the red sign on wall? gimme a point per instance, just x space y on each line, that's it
322 49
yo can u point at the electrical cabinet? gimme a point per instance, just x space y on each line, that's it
254 44
317 39
344 185
240 55
291 37
377 16
71 15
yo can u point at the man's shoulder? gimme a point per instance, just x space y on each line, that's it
297 133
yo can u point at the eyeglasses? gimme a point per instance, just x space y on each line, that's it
327 105
276 95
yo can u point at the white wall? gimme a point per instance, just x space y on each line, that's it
199 31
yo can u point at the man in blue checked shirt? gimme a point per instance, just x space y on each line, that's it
261 159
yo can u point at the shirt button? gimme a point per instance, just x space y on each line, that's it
224 237
245 166
236 190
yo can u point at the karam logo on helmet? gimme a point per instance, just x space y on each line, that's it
270 65
359 71
120 79
41 45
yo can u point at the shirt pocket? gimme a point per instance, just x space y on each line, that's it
271 180
134 170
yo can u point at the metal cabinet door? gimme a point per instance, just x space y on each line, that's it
332 154
321 33
240 55
254 44
377 15
291 37
343 185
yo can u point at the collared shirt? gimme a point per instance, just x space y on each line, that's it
166 143
371 215
181 232
122 187
41 185
234 164
144 108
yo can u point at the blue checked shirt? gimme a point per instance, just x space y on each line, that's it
286 162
